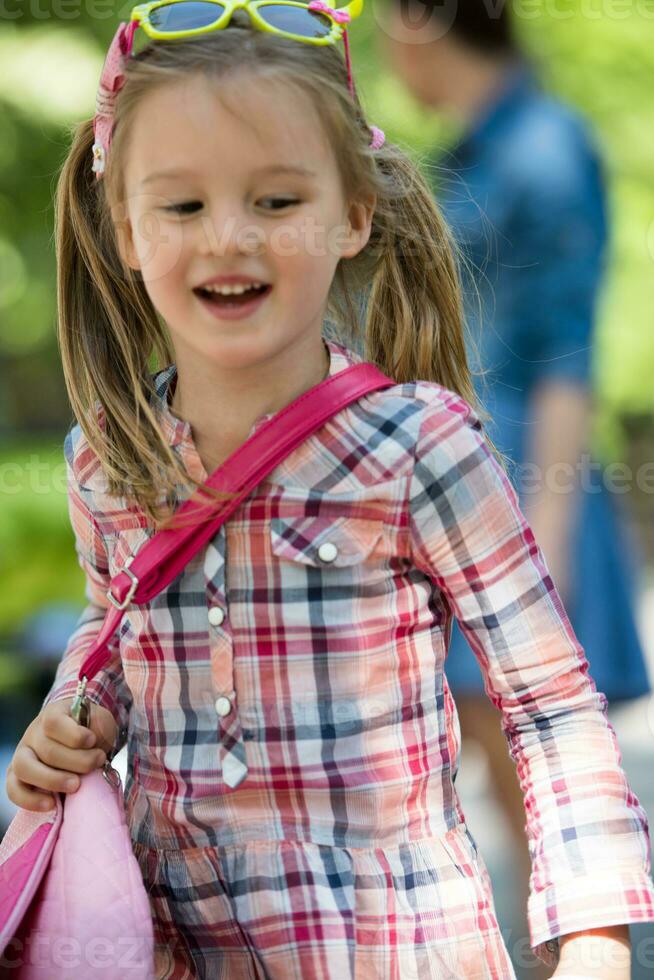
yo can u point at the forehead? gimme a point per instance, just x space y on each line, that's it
239 124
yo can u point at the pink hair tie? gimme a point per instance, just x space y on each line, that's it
340 16
112 80
378 137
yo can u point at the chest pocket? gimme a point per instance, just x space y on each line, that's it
325 542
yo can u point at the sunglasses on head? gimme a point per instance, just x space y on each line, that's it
314 23
171 20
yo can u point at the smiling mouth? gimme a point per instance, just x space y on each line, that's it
233 299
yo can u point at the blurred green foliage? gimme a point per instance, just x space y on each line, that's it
37 552
596 54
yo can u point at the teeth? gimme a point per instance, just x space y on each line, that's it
229 290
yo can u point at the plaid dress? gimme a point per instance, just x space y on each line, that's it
291 736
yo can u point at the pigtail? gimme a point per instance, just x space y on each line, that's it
109 334
414 325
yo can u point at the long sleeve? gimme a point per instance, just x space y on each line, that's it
588 835
108 687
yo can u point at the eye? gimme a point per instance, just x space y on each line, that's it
281 202
188 207
182 208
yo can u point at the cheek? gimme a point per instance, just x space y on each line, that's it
160 245
305 261
288 243
158 240
310 246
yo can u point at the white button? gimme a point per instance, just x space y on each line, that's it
216 615
223 706
327 551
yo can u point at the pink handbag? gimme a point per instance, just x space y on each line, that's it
72 899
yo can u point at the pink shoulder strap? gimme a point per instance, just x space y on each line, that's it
165 554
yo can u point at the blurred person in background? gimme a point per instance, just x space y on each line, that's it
523 193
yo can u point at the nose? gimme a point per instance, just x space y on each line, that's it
229 230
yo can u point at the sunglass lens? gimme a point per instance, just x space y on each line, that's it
295 20
185 16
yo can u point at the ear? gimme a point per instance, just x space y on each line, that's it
359 224
125 238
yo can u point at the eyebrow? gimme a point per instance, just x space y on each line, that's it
278 168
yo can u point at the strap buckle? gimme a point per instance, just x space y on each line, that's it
132 589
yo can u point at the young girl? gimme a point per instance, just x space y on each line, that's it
292 742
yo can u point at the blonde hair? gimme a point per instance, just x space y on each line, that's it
109 332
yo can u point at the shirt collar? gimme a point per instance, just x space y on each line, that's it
178 432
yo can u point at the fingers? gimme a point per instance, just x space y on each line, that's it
54 751
26 796
58 757
59 743
58 725
103 724
31 780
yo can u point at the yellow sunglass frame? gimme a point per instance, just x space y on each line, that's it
141 14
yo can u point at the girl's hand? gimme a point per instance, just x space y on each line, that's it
53 750
595 954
